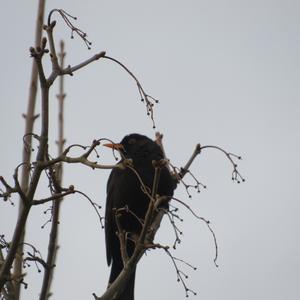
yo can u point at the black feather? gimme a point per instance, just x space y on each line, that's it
124 190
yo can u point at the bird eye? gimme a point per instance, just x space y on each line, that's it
132 141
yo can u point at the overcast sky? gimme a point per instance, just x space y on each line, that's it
226 73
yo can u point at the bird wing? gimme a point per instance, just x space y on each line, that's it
109 217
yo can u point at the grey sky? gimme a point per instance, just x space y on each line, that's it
226 73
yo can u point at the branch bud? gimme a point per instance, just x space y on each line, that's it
53 23
198 148
44 42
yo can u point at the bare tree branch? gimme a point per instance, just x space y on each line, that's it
68 20
53 198
9 292
6 194
122 237
95 206
149 100
236 175
184 170
18 232
83 159
70 70
30 117
41 158
207 224
56 180
181 276
59 70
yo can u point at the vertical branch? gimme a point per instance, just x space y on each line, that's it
158 139
18 233
61 96
9 292
29 117
30 183
34 180
159 215
149 215
53 245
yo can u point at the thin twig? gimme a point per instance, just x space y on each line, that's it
70 70
207 224
67 19
236 175
83 159
94 205
53 197
180 274
149 100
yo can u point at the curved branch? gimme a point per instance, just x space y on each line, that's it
149 100
95 205
58 196
207 224
67 19
236 175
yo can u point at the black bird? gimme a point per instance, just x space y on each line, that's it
124 190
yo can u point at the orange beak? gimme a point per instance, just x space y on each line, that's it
114 146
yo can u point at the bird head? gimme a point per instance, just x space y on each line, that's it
137 147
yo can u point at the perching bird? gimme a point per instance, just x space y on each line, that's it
124 191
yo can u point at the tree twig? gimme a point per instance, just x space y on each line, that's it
55 197
56 179
149 100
